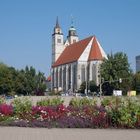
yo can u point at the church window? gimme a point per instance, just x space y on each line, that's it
74 40
83 73
58 40
75 76
60 78
69 77
93 72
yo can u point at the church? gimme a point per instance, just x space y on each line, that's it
74 61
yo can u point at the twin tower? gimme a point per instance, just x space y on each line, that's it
58 43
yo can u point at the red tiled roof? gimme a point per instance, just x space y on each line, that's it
75 50
49 78
72 52
95 52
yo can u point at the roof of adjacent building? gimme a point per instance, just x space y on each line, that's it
48 78
73 52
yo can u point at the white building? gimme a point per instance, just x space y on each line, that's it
74 61
137 63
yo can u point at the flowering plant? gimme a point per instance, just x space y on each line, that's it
6 110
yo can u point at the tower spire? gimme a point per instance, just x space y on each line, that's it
72 35
57 23
57 42
72 21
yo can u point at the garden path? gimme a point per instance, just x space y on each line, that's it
17 133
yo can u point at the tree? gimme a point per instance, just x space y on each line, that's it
41 86
33 83
20 86
136 82
6 79
29 83
93 87
90 85
114 68
26 81
83 87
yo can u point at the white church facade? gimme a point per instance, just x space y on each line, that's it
74 61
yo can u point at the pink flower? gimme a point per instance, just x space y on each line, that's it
6 109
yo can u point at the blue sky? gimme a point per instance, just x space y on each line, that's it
26 27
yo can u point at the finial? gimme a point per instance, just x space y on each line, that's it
57 23
72 20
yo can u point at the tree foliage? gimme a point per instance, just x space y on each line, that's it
114 68
26 81
136 82
91 85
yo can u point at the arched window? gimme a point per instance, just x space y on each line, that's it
94 72
69 77
57 78
60 77
64 78
74 77
83 73
53 78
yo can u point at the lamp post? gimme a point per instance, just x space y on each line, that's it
101 84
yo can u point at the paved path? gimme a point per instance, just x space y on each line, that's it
17 133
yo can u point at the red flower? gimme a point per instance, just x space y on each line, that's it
6 109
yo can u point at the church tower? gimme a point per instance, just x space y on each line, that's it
72 35
57 42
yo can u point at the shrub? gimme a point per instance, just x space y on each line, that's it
82 113
76 102
129 112
6 109
49 113
2 100
123 112
50 102
22 106
106 101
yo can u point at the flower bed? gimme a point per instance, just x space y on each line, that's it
111 113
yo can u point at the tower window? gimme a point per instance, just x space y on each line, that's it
58 40
74 40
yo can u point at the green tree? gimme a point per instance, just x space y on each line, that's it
20 83
30 82
82 87
93 87
6 79
90 85
41 86
136 82
26 81
114 68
